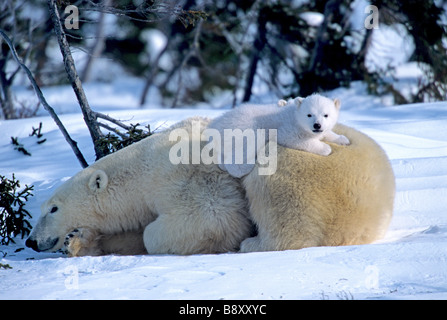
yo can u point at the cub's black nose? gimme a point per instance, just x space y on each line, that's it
31 244
317 126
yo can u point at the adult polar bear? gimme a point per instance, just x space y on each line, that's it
346 198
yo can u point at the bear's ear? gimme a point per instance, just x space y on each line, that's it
337 104
98 181
298 101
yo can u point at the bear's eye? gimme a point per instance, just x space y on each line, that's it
326 115
309 116
54 209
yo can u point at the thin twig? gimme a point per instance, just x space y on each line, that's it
108 118
114 130
151 13
192 52
151 76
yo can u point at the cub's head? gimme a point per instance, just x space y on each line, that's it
73 205
317 114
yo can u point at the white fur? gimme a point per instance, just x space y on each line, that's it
183 209
301 123
343 199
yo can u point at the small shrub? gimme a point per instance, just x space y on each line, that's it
5 266
113 142
38 133
13 215
19 147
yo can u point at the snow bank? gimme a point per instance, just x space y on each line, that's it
410 263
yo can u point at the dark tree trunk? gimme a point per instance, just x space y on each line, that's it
259 44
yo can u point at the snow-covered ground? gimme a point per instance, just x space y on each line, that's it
410 263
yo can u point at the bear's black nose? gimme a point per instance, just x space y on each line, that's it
317 126
31 244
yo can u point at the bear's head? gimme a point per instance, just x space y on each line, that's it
317 114
75 204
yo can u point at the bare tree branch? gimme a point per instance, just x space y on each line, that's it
238 46
114 130
97 47
108 118
151 76
50 110
144 11
258 46
70 68
192 52
147 12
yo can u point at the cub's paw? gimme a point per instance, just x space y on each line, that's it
342 140
282 103
324 150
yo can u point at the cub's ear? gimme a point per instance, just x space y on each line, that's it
298 101
337 104
98 181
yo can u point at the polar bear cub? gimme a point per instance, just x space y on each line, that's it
315 118
301 123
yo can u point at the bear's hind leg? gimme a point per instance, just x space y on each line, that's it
123 243
166 235
252 245
194 234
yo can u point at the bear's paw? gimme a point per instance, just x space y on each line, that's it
81 242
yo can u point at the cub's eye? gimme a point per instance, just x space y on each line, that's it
326 115
309 116
54 209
